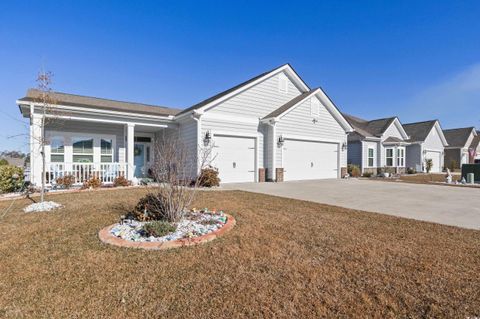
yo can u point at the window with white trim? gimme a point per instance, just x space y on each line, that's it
57 149
389 157
371 157
314 107
106 150
282 83
400 157
82 150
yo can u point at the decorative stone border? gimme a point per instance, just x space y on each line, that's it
107 237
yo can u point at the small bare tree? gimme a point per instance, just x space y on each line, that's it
175 169
48 115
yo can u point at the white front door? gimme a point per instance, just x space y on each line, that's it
234 158
436 158
303 160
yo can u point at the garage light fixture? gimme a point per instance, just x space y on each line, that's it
344 146
281 141
207 138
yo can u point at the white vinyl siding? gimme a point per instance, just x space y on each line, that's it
257 101
299 122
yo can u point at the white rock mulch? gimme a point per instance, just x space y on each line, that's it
41 207
194 225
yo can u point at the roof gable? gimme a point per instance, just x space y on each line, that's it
324 100
374 128
420 131
459 137
218 98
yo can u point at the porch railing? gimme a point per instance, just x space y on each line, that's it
106 172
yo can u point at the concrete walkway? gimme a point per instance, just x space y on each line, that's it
453 206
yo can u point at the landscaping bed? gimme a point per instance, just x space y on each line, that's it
285 259
195 228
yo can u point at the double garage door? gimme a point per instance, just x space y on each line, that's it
436 158
302 160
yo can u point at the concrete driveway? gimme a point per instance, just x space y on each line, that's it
454 206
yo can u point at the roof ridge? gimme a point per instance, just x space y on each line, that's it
421 122
460 128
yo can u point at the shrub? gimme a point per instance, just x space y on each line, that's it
159 228
151 207
3 162
354 170
411 170
121 181
209 177
66 181
92 182
453 165
428 164
11 178
368 174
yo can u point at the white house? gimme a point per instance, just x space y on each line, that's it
377 144
272 122
427 141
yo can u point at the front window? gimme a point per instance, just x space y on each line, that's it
57 150
389 156
82 150
371 157
400 157
106 149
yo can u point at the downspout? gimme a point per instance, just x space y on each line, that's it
196 117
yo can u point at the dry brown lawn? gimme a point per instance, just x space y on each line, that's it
428 178
284 259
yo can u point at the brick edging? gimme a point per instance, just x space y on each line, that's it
108 238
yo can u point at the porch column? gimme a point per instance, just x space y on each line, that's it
130 150
35 148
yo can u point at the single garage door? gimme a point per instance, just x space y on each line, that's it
309 160
436 159
235 158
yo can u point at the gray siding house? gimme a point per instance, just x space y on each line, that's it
461 146
273 122
427 141
377 144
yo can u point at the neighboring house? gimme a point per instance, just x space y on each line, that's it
15 161
427 141
460 141
377 144
475 149
272 122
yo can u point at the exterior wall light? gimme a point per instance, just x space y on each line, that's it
207 138
281 141
344 146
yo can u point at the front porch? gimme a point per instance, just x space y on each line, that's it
82 150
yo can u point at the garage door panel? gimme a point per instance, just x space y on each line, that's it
234 158
305 160
436 159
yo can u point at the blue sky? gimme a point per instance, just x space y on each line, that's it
419 60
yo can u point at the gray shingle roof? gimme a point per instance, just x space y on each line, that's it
393 139
226 92
34 95
458 137
475 141
374 128
419 131
289 104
